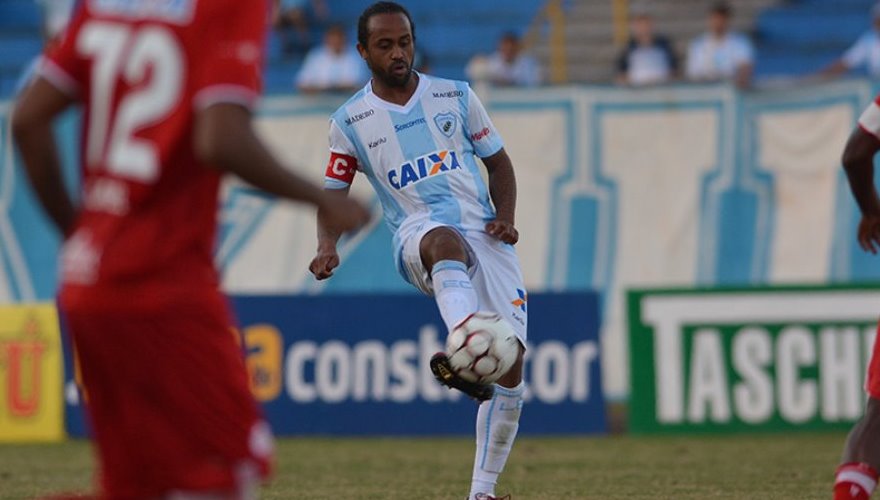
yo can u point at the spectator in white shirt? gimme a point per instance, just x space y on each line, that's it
720 54
507 66
334 66
864 53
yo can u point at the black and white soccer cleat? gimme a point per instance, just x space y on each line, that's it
444 374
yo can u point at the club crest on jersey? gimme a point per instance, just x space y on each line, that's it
423 167
446 122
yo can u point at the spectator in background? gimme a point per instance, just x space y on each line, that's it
508 66
721 54
865 52
334 66
295 18
648 58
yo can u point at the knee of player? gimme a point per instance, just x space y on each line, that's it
442 243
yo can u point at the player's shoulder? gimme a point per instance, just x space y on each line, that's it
869 36
446 88
355 109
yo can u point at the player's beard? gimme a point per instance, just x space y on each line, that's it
393 78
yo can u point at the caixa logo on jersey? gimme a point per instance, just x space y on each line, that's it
359 365
423 167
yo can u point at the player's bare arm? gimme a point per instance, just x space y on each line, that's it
224 138
858 161
32 129
327 259
502 189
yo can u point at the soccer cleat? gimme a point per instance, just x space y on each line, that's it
444 374
483 496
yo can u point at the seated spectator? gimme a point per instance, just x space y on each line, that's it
508 66
864 53
721 54
648 58
294 19
334 66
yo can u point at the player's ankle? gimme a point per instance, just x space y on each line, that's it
854 481
481 486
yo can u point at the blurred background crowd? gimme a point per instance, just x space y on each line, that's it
311 47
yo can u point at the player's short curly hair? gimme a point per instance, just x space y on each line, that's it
381 8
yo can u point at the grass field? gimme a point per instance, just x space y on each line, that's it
795 466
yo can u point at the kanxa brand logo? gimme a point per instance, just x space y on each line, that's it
377 142
20 359
423 167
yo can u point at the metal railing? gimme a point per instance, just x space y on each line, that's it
553 14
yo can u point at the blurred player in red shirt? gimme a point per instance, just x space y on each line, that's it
167 90
856 476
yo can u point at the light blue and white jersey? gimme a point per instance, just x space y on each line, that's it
420 157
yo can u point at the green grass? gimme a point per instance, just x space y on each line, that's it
796 466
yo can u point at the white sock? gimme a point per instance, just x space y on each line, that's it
497 423
453 292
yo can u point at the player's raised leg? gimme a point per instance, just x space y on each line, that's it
444 253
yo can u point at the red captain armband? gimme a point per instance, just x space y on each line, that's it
341 167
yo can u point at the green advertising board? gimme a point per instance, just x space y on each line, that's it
719 360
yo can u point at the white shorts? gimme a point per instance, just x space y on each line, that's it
493 268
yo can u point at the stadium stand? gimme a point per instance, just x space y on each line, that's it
590 31
449 32
802 37
20 40
792 38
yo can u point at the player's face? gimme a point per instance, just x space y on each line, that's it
390 48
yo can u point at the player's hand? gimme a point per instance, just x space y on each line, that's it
869 233
503 230
324 263
344 214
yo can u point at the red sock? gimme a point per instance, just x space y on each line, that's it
854 481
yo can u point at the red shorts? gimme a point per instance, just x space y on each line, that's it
872 381
168 398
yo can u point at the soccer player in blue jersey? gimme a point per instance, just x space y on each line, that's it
416 138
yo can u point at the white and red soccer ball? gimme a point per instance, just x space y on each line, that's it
482 348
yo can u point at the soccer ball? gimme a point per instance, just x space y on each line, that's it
482 348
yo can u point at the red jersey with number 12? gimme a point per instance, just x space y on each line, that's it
142 70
